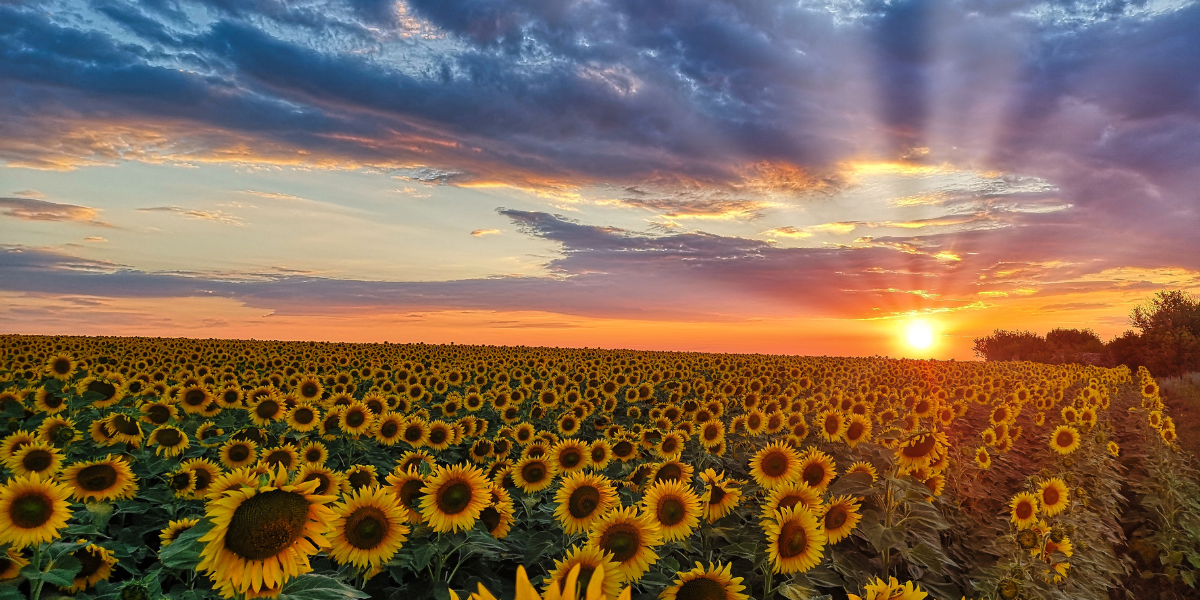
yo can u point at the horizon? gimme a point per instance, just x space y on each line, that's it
838 179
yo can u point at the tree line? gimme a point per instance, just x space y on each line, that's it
1165 338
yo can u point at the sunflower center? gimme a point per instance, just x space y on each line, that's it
832 424
623 449
97 478
836 517
355 418
533 473
303 416
669 472
62 366
1024 510
324 480
359 479
855 431
52 401
1050 496
308 390
313 455
125 425
491 518
622 541
280 457
389 429
437 436
671 512
168 438
103 388
717 495
91 562
793 540
775 464
37 460
194 397
203 479
813 474
239 452
183 481
583 501
366 527
920 449
410 493
266 409
159 414
266 524
31 510
1064 439
454 498
701 588
570 458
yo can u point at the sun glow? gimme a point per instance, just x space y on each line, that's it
919 335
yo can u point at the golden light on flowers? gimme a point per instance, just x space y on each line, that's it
774 466
583 500
108 478
1054 496
454 497
406 485
674 506
714 582
720 496
1024 510
817 469
368 529
262 537
1064 439
630 539
582 565
841 517
982 458
32 510
920 449
890 590
795 540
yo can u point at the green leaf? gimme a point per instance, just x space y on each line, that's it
184 552
64 571
319 587
10 592
852 484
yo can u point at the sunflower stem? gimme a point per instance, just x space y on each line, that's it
35 588
768 580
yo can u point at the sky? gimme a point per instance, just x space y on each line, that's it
832 177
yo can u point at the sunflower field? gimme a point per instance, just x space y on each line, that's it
141 469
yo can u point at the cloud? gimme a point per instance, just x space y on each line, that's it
95 239
677 208
30 209
483 232
204 215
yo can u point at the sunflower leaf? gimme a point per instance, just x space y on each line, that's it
63 573
184 552
318 587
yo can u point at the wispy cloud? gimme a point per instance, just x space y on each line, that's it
203 215
30 209
483 232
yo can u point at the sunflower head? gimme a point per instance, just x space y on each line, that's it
1024 509
369 528
796 540
454 497
33 510
714 582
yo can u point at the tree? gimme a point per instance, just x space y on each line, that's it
1012 345
1169 323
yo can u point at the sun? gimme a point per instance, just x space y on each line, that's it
919 335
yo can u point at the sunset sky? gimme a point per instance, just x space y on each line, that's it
782 177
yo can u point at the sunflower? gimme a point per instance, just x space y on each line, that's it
182 483
1054 496
672 470
206 472
229 397
712 433
720 496
534 474
174 529
309 388
858 430
415 459
570 456
407 485
441 435
675 508
170 441
624 450
1065 439
580 567
266 409
235 479
314 453
194 398
670 446
124 429
841 517
1114 449
109 478
920 449
817 469
388 428
796 540
891 590
982 458
263 536
237 454
14 442
11 563
303 417
833 425
454 497
361 476
57 430
775 466
330 481
498 516
205 432
583 500
39 458
61 366
865 468
100 435
284 456
32 510
415 432
600 454
629 538
110 391
96 565
713 583
368 529
1024 510
796 493
48 402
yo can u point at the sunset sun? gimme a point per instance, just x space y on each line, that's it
919 335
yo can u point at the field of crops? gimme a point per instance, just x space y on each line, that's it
149 468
